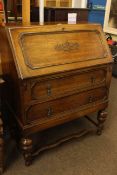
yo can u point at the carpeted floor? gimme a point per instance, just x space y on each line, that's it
92 155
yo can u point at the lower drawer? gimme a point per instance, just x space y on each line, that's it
64 105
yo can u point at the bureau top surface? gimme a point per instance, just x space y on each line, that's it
42 50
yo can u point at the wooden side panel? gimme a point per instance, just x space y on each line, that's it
12 84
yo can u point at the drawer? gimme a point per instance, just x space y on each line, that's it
57 87
65 105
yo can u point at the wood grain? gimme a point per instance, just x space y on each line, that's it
26 12
54 74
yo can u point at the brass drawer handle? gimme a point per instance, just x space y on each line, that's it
49 90
91 99
93 79
50 112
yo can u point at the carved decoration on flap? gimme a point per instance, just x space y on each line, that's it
67 46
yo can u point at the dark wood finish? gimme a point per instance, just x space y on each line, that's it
57 73
60 141
14 9
1 134
61 14
61 86
54 14
54 108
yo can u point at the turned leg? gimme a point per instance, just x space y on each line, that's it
102 115
26 145
1 147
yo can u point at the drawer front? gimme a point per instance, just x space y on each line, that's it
46 90
65 105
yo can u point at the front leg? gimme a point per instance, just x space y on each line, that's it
102 115
26 146
1 147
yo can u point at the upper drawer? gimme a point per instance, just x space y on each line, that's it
57 87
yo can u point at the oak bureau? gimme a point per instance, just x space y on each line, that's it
54 74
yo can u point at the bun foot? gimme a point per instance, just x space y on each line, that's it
102 115
26 146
